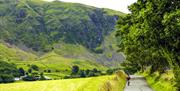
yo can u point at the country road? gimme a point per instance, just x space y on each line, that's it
138 83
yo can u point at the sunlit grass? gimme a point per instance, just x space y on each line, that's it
80 84
161 82
101 83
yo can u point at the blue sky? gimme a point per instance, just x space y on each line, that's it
119 5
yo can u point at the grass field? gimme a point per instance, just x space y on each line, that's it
80 84
55 61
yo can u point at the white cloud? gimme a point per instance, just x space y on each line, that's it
120 5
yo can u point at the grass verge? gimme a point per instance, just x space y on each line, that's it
160 82
115 84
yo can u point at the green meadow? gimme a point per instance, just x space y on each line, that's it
102 83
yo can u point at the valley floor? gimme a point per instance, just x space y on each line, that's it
79 84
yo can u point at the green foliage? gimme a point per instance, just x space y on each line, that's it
109 71
29 78
8 68
159 81
66 28
49 71
75 69
82 73
35 67
30 70
42 76
21 71
38 24
149 36
6 78
7 72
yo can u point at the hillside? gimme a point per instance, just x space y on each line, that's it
59 65
38 24
71 30
12 53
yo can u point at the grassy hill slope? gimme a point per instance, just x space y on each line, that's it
12 53
38 24
59 65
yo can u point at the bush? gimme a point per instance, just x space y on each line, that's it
67 77
49 71
82 73
8 68
91 73
42 77
57 71
109 71
1 80
35 67
30 70
95 70
21 71
35 74
5 78
29 78
87 71
75 69
45 70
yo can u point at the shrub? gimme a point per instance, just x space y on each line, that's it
45 70
35 74
95 70
87 71
109 71
1 80
29 78
5 78
35 67
42 76
8 68
91 73
75 69
57 71
82 73
49 71
30 70
21 71
67 77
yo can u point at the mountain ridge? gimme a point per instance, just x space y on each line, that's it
70 30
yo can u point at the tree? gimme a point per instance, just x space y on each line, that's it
49 71
42 76
35 67
1 80
6 78
149 35
87 71
109 71
82 73
91 73
7 72
21 71
30 70
95 70
75 69
29 78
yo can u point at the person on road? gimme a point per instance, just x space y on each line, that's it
128 79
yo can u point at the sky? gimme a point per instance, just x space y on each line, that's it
119 5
